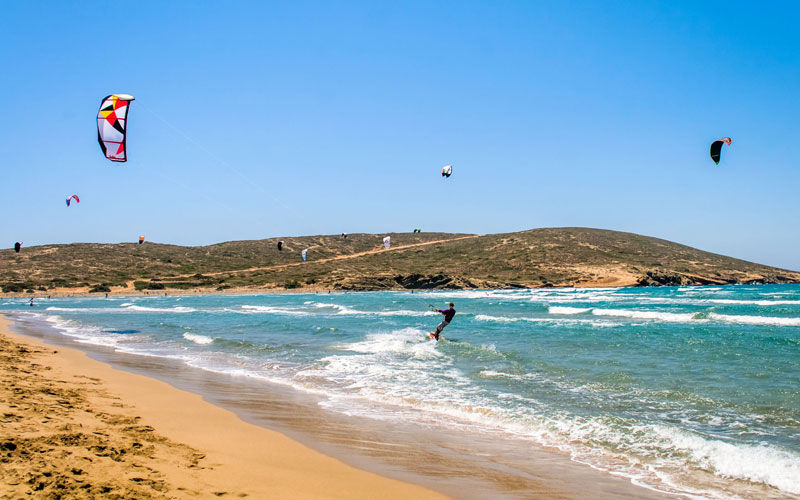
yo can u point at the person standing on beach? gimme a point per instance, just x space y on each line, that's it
448 316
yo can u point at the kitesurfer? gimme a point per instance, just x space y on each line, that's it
448 317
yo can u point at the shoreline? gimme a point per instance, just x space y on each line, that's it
221 455
441 459
126 292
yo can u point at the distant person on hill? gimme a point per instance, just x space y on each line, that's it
448 317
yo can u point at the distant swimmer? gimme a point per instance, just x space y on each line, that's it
448 317
31 304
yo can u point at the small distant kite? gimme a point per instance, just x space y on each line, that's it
17 246
344 236
112 125
387 242
417 230
303 253
280 245
73 197
141 239
447 171
716 148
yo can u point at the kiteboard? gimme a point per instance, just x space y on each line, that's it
432 335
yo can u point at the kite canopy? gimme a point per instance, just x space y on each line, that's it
447 171
112 124
716 148
280 245
304 252
17 246
141 239
387 242
73 197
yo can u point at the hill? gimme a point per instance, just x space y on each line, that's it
534 258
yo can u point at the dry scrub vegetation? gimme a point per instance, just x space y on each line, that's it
534 258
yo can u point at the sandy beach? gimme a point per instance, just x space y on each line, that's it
76 427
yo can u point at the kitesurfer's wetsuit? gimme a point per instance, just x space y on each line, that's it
448 316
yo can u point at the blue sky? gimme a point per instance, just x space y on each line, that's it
261 119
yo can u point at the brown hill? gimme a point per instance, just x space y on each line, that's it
534 258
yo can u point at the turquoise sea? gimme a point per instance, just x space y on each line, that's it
692 390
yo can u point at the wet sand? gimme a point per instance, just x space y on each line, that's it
462 465
75 427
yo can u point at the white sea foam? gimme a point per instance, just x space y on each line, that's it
198 339
340 309
82 333
389 384
176 309
512 376
755 302
403 312
477 294
699 301
116 310
346 310
755 320
548 320
271 310
406 340
761 464
326 309
503 319
647 315
567 310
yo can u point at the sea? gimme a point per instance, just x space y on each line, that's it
692 391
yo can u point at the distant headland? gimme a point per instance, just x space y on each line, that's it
549 257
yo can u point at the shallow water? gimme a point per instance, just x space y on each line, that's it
693 390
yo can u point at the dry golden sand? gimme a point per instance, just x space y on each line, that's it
73 427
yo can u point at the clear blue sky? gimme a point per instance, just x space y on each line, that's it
261 119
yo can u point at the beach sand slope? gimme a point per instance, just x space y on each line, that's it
75 427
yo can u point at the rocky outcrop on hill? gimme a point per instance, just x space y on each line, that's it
654 278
